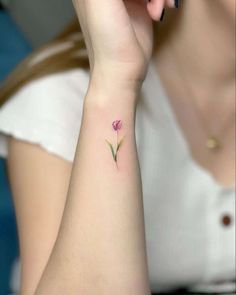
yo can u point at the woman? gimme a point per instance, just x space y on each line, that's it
165 106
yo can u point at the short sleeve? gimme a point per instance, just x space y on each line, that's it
47 112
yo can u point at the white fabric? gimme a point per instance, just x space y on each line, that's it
186 242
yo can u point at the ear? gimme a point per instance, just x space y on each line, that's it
155 8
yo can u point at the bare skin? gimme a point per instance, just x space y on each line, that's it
69 236
197 67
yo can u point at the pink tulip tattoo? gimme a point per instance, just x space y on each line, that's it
116 125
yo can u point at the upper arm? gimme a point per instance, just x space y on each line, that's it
39 183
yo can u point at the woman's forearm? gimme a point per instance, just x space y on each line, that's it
100 247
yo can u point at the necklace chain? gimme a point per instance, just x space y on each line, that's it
213 142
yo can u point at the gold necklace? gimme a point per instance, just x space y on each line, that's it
213 142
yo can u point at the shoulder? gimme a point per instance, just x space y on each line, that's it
48 112
56 94
70 82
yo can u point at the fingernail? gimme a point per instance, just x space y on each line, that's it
176 3
162 14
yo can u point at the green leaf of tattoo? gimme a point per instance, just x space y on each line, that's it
119 145
112 150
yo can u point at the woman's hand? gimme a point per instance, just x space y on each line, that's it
118 36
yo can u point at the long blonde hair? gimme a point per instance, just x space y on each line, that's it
65 52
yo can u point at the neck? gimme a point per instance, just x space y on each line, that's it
202 44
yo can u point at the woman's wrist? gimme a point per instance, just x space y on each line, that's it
108 91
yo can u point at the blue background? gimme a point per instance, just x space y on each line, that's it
13 48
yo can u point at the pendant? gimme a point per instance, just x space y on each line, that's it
213 143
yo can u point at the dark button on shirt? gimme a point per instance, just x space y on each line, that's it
226 220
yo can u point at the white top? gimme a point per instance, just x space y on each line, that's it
186 241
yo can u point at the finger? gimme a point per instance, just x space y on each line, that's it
172 3
155 9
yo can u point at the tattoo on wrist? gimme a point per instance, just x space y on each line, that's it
116 125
